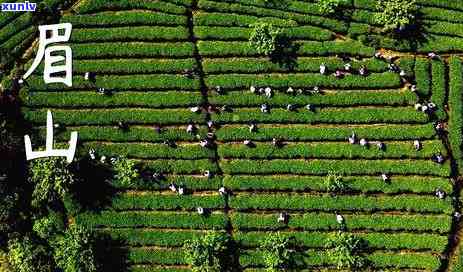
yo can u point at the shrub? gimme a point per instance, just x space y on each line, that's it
26 256
395 14
345 250
276 253
334 183
51 178
126 173
47 226
329 6
208 253
74 251
264 38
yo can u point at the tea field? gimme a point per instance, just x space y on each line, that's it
173 63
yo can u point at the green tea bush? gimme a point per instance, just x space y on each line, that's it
439 83
18 24
423 76
112 116
326 221
179 220
101 5
165 202
307 48
161 256
341 202
338 133
132 33
364 184
119 18
456 110
250 8
374 240
202 18
356 115
322 167
330 151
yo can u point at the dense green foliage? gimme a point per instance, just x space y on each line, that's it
345 249
125 171
329 6
49 225
4 264
208 253
335 184
75 250
8 202
395 14
51 179
264 38
26 255
276 252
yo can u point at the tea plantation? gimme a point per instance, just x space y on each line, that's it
371 145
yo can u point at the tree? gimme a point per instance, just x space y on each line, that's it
395 14
126 173
46 227
8 201
208 253
276 252
335 184
26 255
4 264
345 250
75 250
264 38
51 178
330 6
